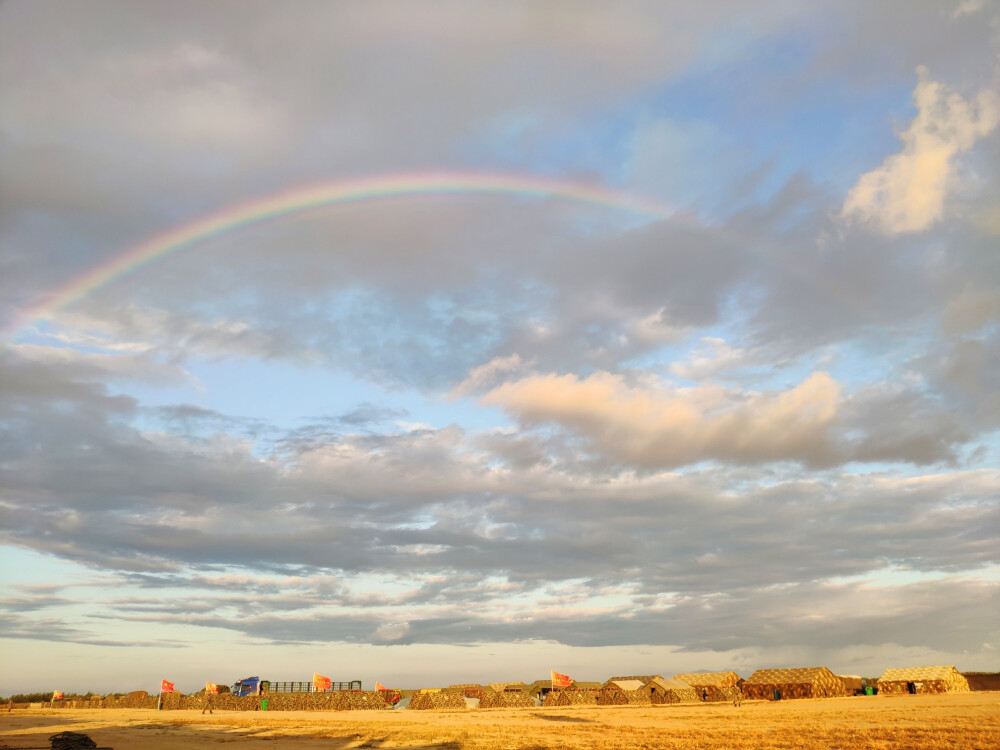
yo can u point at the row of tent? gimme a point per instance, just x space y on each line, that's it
764 684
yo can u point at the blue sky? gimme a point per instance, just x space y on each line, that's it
466 437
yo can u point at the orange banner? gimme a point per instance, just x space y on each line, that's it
57 695
560 680
166 687
211 688
380 686
321 683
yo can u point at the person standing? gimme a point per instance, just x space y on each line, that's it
737 696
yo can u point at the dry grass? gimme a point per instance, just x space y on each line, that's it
934 722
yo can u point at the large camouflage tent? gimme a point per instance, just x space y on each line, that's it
712 686
805 682
923 680
662 691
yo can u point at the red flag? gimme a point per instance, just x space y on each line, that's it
57 695
321 683
380 686
211 688
166 687
560 680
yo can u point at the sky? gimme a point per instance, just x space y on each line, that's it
464 341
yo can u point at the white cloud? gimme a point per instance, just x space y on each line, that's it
967 7
485 376
715 357
655 424
907 192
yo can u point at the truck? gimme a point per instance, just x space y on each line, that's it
257 686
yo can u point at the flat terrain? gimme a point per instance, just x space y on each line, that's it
968 721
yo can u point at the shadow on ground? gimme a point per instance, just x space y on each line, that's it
571 719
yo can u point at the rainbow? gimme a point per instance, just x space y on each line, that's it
331 194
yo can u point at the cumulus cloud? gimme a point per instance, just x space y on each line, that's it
655 424
908 192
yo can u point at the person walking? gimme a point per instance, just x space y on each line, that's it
208 704
737 696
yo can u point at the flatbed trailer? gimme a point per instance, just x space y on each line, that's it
308 687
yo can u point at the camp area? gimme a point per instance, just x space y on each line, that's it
892 722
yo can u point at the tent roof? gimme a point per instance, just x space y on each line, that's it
665 684
626 684
912 674
643 678
707 678
788 676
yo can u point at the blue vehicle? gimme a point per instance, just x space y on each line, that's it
247 686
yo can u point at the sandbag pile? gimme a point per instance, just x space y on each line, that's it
437 701
572 698
616 697
679 695
513 699
341 700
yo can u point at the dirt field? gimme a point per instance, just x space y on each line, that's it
968 721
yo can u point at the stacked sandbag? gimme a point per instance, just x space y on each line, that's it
552 698
491 699
616 697
437 701
506 699
572 698
517 700
338 700
359 700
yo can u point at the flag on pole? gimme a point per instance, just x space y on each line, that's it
211 688
57 695
380 686
560 680
321 683
166 687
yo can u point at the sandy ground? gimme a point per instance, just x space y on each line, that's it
970 720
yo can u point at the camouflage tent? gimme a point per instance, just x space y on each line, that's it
805 682
712 686
662 691
923 680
